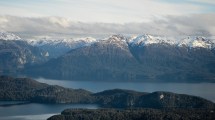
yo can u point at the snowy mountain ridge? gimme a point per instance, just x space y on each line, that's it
138 40
190 41
66 42
8 36
58 47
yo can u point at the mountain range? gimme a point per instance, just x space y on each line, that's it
117 58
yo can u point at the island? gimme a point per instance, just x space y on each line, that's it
115 103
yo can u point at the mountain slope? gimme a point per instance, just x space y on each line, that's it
58 47
116 58
119 58
25 89
15 55
165 62
135 114
105 60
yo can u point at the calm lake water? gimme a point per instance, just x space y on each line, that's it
34 111
205 90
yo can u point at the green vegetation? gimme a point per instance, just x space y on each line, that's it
113 62
24 89
129 105
135 114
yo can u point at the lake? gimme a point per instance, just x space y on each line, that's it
35 111
205 90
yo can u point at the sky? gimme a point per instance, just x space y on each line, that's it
98 17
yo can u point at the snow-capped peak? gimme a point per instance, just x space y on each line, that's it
115 39
191 41
143 40
119 41
8 36
86 39
147 39
70 42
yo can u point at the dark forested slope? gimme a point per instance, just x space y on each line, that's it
115 59
135 114
24 89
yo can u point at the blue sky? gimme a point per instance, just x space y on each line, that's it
83 17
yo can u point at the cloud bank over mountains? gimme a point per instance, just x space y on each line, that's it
196 24
30 18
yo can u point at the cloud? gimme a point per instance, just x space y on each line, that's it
109 11
196 24
204 1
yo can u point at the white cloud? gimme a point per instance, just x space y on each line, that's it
204 1
3 20
60 21
196 24
109 11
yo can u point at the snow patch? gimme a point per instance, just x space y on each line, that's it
8 36
22 61
161 96
180 41
70 43
46 54
149 39
118 40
